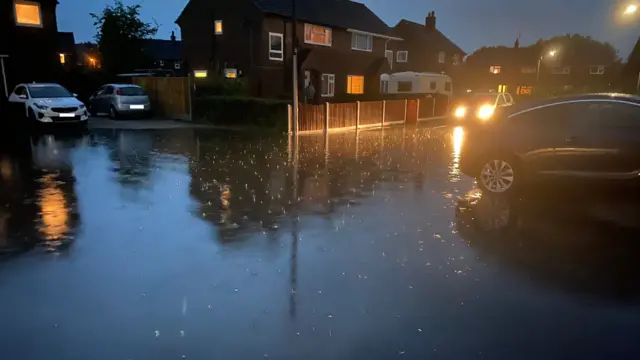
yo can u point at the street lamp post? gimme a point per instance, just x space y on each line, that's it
294 59
551 53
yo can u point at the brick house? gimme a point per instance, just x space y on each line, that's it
424 49
341 45
164 54
28 43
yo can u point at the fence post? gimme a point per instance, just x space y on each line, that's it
433 111
406 104
384 111
418 110
289 113
357 115
326 117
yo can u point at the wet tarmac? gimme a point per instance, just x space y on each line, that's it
200 244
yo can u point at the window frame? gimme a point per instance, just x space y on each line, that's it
599 70
406 57
331 85
177 65
350 82
275 52
528 69
354 42
442 57
495 69
433 85
28 3
215 27
560 70
26 91
456 59
448 86
312 26
404 83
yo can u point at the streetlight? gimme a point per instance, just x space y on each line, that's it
630 9
551 53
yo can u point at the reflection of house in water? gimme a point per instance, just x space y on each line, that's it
37 187
131 154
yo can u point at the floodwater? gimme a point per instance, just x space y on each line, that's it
192 244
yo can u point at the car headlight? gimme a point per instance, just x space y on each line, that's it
461 111
41 106
485 112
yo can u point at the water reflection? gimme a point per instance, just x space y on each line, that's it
53 209
554 240
454 167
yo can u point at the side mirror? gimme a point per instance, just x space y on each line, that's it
22 97
75 95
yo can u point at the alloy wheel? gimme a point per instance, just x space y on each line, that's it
497 176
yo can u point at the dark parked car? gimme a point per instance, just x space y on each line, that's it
593 136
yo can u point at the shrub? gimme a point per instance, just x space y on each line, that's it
241 111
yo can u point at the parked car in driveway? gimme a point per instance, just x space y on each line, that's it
480 106
581 137
118 100
45 103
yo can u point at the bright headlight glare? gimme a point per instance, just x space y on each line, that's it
485 112
460 111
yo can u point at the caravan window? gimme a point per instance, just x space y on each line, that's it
433 85
405 86
447 86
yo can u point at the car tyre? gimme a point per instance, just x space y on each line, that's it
113 113
499 174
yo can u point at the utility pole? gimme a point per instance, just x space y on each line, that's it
294 35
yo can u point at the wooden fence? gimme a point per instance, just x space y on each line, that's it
169 96
366 114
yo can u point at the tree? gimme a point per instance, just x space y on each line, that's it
120 35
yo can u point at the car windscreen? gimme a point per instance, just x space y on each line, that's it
48 91
477 100
132 91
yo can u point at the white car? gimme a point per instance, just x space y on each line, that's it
44 103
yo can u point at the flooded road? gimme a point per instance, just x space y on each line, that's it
194 244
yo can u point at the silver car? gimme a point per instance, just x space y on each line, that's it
118 100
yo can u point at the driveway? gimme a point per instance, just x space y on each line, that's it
196 244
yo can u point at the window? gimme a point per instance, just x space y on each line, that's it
495 69
318 35
528 69
361 42
405 86
161 63
177 65
389 55
524 90
200 73
20 91
328 85
384 86
447 86
615 114
108 90
276 48
502 88
441 57
456 59
561 70
596 70
27 13
433 85
218 27
63 59
402 56
355 84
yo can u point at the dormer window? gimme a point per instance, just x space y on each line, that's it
27 13
317 35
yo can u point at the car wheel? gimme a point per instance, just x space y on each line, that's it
113 113
498 175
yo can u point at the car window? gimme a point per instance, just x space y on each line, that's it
604 114
556 115
108 90
20 90
101 90
132 91
500 101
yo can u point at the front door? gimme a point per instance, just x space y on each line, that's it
603 140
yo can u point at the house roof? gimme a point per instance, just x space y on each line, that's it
66 42
429 37
163 49
336 13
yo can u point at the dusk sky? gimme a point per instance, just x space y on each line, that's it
469 23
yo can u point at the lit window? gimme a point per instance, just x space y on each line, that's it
402 56
441 57
361 42
218 27
596 70
276 51
495 69
355 84
456 59
200 73
318 35
405 86
328 84
502 88
92 62
63 59
230 73
524 90
28 13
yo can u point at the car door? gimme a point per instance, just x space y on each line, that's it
534 134
105 99
602 141
94 100
18 103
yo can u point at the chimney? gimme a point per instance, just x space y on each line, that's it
516 45
173 36
430 21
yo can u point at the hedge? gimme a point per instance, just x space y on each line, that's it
241 111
